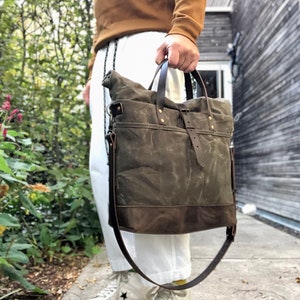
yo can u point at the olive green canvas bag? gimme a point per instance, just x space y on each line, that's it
171 164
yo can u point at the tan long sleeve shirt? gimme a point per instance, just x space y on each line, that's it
117 18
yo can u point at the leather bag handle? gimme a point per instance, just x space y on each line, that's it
188 83
161 90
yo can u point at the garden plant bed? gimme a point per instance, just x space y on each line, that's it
56 278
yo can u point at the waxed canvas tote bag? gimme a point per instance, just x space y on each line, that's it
171 167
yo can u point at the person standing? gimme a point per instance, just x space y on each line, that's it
132 37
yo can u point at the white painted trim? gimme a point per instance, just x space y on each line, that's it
219 66
216 9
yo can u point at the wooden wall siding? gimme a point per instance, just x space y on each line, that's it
266 106
216 35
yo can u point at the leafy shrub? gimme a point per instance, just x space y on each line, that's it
46 206
40 221
14 168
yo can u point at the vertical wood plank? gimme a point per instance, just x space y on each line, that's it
267 105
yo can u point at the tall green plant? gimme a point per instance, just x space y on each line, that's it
44 50
44 53
15 165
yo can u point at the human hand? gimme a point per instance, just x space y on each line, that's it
181 52
86 93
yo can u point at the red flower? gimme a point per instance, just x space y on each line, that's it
8 97
13 113
20 117
4 133
6 105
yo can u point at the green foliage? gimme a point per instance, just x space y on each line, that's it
46 204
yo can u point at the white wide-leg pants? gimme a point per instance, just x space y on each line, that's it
164 258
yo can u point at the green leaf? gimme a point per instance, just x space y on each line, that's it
26 203
76 204
18 165
39 291
90 248
9 178
19 246
73 237
66 249
15 256
8 3
69 225
87 194
45 236
9 136
58 186
13 133
26 142
4 167
7 146
96 250
17 275
4 262
8 220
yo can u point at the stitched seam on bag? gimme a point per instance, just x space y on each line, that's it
168 128
174 206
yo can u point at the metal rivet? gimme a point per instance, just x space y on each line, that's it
209 118
160 111
118 108
212 126
162 120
